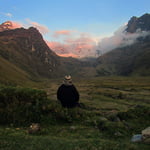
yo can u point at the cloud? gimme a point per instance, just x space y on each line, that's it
42 28
69 55
73 43
16 25
28 23
8 14
85 45
59 48
78 44
62 33
81 46
120 38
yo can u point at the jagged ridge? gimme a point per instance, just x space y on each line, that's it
26 49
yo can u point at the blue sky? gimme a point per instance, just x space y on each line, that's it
94 17
84 15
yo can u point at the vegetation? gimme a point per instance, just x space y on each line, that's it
112 110
21 105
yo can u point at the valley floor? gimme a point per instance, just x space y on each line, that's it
113 110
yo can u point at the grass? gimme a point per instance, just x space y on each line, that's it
92 127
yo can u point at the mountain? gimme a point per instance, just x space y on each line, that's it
8 25
26 50
132 59
142 23
24 56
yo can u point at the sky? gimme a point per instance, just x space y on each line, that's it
73 27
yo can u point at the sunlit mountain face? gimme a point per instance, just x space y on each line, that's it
73 43
69 43
9 25
76 48
124 53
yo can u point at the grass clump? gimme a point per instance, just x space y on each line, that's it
21 105
114 109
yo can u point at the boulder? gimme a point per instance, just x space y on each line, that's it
34 128
146 135
137 138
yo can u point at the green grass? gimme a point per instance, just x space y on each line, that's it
91 127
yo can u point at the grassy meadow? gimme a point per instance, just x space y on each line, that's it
112 110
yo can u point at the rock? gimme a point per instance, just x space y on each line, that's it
114 118
72 127
103 119
34 128
146 135
17 128
118 134
137 138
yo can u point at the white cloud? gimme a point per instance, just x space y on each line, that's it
42 28
8 15
120 38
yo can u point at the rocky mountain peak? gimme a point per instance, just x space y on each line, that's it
8 25
142 23
28 46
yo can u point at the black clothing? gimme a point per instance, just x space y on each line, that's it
68 95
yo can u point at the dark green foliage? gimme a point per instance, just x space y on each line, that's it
113 110
125 123
112 128
55 113
137 112
21 105
129 60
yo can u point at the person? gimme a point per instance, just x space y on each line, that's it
67 93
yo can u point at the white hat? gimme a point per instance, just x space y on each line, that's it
67 77
68 80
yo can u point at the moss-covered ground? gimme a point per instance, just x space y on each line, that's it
112 110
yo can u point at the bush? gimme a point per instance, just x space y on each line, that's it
111 128
56 114
138 111
21 105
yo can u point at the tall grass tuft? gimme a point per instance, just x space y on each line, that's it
21 105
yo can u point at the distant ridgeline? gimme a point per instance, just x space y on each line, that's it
26 49
24 55
133 59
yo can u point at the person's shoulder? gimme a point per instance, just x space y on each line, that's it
73 86
60 86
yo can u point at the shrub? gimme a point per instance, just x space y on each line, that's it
138 111
111 128
55 113
21 105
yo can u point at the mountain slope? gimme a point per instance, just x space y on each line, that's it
129 60
9 73
26 49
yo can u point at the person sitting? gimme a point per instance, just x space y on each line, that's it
67 93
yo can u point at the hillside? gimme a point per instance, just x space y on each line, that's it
113 110
25 56
132 59
26 49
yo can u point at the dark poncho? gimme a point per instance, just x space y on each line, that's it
68 95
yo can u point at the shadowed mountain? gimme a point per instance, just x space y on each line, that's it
129 60
26 49
24 54
142 23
